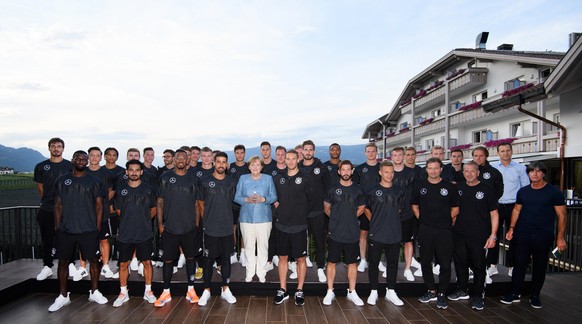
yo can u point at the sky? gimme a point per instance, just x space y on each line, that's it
219 73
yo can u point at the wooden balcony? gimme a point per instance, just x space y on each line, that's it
433 127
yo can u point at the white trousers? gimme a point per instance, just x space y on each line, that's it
256 233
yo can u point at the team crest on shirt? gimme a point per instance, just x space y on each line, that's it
329 168
211 184
47 167
125 177
68 182
282 181
298 180
172 180
487 175
444 192
479 195
338 191
378 193
423 191
460 192
364 169
199 174
316 171
274 173
232 170
124 192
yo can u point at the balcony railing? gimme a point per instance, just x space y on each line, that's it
433 127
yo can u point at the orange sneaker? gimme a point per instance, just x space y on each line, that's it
164 298
191 296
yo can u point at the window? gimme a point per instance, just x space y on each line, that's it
516 129
456 106
480 96
534 127
429 143
471 64
403 125
436 113
544 74
555 119
480 136
512 84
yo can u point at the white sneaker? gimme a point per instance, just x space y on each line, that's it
408 275
418 272
233 258
384 274
471 274
329 297
492 270
159 264
436 269
81 273
293 275
59 303
510 271
293 266
45 273
140 269
116 275
269 266
308 262
373 298
228 296
243 258
72 270
262 279
97 297
321 275
363 265
381 267
276 260
174 270
488 279
181 261
354 298
106 271
415 263
204 298
121 299
149 296
133 265
392 297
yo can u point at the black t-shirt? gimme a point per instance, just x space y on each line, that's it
200 172
405 180
332 172
343 223
448 173
295 197
475 206
318 172
435 201
386 205
47 172
104 177
218 196
367 176
537 213
78 198
271 168
236 171
135 221
179 195
491 176
150 176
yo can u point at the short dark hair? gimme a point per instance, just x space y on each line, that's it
335 144
398 149
265 143
434 160
130 162
180 151
172 152
185 148
537 165
410 148
107 150
206 149
220 154
371 145
240 147
94 148
481 148
56 140
458 150
386 164
504 144
194 148
280 147
293 152
78 153
149 148
308 142
345 162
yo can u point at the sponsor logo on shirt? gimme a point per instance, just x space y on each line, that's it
68 182
329 168
274 173
444 192
298 180
282 181
423 191
172 180
378 193
125 177
460 192
479 195
124 192
232 170
316 170
47 167
487 175
211 184
338 192
365 170
199 174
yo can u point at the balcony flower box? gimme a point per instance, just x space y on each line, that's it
472 106
511 92
434 86
404 130
420 94
494 143
456 73
460 147
426 121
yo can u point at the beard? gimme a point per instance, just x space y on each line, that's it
346 177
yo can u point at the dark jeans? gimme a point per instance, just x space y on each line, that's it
534 245
469 253
504 219
317 228
437 242
46 222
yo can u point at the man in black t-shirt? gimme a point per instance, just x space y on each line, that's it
135 203
385 203
78 214
215 200
474 230
45 175
177 223
343 203
269 165
168 158
335 152
435 204
281 168
366 176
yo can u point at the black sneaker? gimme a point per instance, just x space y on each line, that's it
281 296
458 295
510 298
535 302
478 303
442 301
428 297
299 298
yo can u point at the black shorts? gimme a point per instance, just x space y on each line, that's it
364 223
171 244
216 247
143 250
335 250
105 231
293 245
235 215
88 245
409 228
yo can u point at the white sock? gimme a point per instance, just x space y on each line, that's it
148 287
124 290
167 290
190 287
